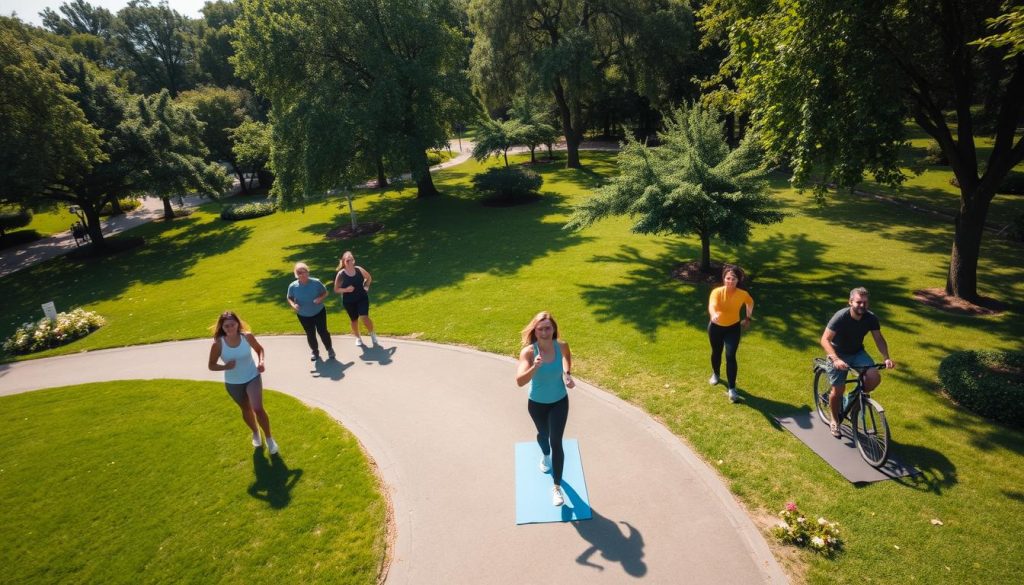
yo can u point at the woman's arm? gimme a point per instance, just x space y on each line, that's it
528 364
750 310
367 279
323 295
713 311
291 301
337 284
259 350
567 364
215 356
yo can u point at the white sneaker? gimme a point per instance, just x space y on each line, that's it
256 440
556 497
271 446
733 395
714 379
373 338
545 464
359 342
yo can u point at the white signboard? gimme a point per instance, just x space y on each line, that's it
50 310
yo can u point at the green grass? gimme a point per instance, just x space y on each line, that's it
450 270
155 482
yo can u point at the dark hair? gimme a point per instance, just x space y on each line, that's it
727 268
218 328
529 332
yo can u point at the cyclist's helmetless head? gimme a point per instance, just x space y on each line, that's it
859 301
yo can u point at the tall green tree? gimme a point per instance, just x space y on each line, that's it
47 140
339 73
692 184
829 84
574 49
214 50
251 143
535 122
496 137
158 45
220 110
79 17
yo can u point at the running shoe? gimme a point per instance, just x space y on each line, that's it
373 338
545 464
733 395
714 379
256 440
271 446
556 497
359 342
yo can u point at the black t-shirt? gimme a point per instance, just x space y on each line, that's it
850 332
355 280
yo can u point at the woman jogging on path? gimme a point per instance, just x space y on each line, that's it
546 362
233 345
724 327
306 297
353 282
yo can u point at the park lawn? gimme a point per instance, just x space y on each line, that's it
156 482
450 270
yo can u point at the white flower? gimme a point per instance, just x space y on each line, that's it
783 525
817 542
822 522
801 519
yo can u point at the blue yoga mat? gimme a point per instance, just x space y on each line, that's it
533 488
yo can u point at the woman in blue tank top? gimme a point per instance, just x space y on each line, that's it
231 353
546 362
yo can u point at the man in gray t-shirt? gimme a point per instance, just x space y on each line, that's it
843 342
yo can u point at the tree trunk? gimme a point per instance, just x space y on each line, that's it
168 210
572 138
572 150
241 178
705 253
421 173
93 226
115 207
505 154
962 279
532 159
382 179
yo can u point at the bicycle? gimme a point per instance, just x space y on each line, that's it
864 414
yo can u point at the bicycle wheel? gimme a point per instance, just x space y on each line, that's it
871 433
821 390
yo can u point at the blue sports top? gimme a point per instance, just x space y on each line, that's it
245 368
548 383
305 294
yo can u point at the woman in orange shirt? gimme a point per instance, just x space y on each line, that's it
724 328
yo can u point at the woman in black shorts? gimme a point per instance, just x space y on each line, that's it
353 282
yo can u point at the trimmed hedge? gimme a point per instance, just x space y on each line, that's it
248 210
989 383
508 185
12 220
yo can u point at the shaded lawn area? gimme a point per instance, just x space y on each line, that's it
450 270
156 482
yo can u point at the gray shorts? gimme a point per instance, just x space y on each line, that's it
837 377
251 392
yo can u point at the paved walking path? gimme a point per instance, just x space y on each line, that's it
440 422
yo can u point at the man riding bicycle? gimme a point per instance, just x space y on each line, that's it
843 342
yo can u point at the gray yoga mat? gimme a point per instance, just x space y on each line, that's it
842 454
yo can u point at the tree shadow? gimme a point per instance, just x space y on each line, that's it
433 243
332 368
607 539
984 434
274 481
791 314
73 282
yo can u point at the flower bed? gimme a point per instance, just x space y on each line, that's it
248 210
46 333
796 529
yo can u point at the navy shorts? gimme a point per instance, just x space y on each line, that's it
355 309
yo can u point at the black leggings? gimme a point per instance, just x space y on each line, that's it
550 422
317 324
729 337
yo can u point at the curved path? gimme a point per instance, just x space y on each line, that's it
440 423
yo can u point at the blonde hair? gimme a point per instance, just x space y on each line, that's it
341 261
299 265
529 333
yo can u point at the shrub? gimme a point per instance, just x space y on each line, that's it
1015 231
436 157
12 220
248 210
989 383
1013 184
508 185
127 204
934 156
43 334
819 535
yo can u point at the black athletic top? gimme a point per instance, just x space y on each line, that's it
850 332
356 295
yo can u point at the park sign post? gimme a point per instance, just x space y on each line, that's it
50 311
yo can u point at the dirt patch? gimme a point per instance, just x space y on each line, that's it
345 232
690 273
938 299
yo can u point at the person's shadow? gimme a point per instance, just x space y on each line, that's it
377 353
331 368
274 481
606 538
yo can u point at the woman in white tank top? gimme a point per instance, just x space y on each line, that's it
231 353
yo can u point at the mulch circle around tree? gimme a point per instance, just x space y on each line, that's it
345 232
938 299
690 272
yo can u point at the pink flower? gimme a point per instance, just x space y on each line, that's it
790 506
